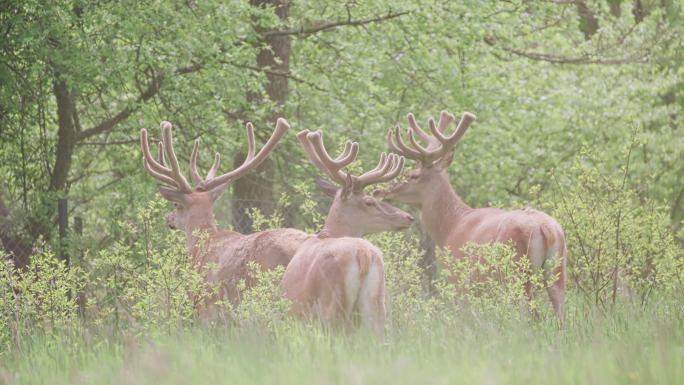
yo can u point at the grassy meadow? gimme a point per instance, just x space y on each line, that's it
632 346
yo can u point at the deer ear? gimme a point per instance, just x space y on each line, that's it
328 187
218 191
173 195
444 162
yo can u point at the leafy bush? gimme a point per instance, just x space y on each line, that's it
145 280
262 304
40 299
409 303
620 247
620 243
491 281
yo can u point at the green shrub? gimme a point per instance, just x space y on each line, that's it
145 280
40 299
408 301
620 244
491 281
261 305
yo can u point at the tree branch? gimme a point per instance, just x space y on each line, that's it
586 59
109 143
155 86
122 115
302 31
275 73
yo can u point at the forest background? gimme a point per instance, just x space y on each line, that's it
580 105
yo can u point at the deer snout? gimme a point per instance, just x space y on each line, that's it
405 221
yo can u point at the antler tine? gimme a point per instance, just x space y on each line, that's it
445 120
193 165
393 147
398 144
161 177
302 136
155 168
182 183
333 167
281 128
391 167
369 177
145 144
214 167
160 155
251 143
391 141
448 142
347 149
381 166
341 161
444 143
414 125
197 179
394 172
412 139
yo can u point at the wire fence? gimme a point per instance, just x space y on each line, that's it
17 250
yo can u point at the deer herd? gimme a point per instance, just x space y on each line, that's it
336 276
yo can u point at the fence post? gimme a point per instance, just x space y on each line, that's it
78 226
81 295
63 228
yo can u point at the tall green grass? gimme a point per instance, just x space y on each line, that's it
626 346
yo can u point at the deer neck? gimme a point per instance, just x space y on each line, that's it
442 210
200 229
339 225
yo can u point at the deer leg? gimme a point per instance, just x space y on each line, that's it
373 313
556 290
372 300
557 296
534 251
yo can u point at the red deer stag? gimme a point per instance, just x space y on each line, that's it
451 222
221 254
336 273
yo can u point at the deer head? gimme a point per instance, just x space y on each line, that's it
433 159
194 205
353 213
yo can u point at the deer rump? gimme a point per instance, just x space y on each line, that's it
338 282
533 233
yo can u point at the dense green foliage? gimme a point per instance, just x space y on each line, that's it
580 109
198 62
138 323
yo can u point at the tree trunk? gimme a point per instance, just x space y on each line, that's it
256 189
20 248
615 9
66 136
588 22
639 11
